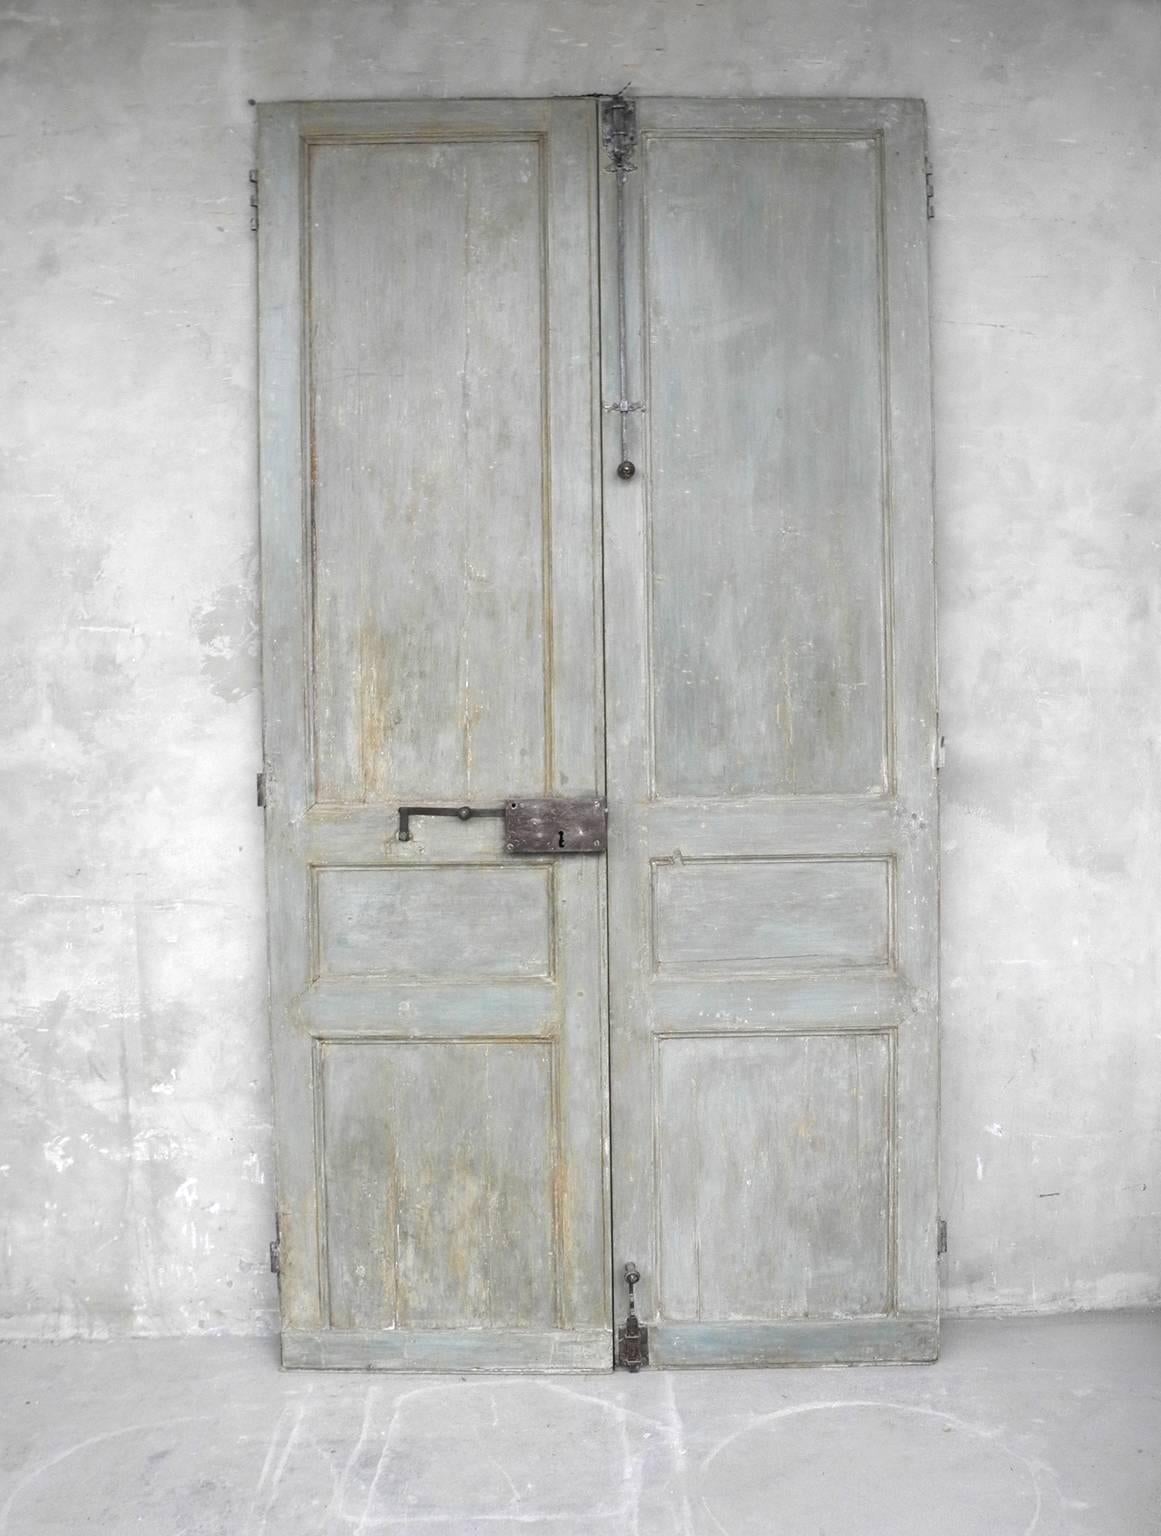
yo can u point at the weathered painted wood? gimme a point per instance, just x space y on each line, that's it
779 827
438 1160
763 914
284 477
840 1341
773 1179
439 923
773 700
770 654
427 384
765 459
854 998
916 722
432 604
371 1006
479 1352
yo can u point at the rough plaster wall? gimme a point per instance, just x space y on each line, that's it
135 1164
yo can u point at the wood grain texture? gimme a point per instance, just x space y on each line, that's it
283 462
497 1351
426 924
373 1006
763 914
840 1341
772 700
432 600
439 1165
774 1184
762 347
427 429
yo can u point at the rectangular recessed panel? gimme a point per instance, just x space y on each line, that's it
774 1186
427 469
771 914
766 465
438 1171
435 924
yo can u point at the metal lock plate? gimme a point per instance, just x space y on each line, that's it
556 826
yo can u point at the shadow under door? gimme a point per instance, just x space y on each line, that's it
595 467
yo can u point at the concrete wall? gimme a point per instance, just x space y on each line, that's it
135 1149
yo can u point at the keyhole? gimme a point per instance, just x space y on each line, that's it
560 839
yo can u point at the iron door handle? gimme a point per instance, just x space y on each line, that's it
532 826
460 812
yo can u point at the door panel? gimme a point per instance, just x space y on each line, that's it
770 914
438 1162
431 591
427 322
502 919
766 577
771 709
794 1128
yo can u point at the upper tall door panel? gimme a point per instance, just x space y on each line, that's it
428 387
771 707
766 466
431 608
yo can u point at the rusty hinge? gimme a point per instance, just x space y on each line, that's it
929 177
254 199
276 1249
941 1239
261 789
632 1339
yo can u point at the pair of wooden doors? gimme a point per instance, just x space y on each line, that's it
711 1051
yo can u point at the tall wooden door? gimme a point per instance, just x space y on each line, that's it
772 736
464 601
431 603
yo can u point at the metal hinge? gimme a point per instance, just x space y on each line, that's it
940 753
276 1249
929 177
941 1239
632 1339
254 199
261 789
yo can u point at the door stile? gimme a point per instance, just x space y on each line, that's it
284 545
578 719
903 147
626 733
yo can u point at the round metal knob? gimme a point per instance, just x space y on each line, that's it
626 469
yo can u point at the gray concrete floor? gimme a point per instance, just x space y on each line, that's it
1024 1428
